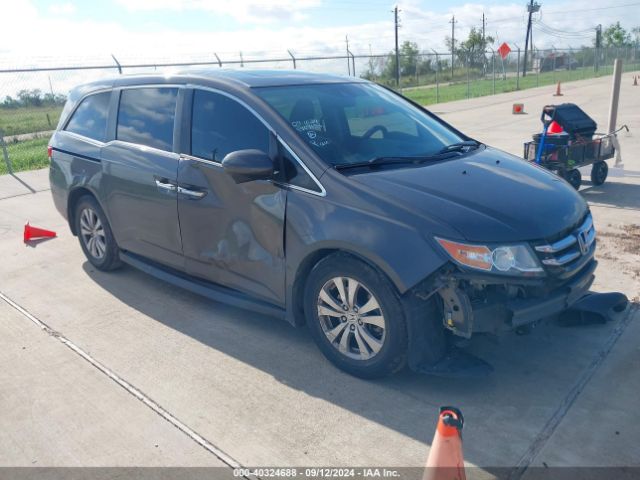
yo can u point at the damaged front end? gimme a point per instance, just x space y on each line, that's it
491 289
475 303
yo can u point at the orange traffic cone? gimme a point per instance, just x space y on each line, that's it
558 92
445 460
33 232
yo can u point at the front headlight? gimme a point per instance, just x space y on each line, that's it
503 259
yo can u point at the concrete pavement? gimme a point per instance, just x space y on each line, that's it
262 393
490 120
60 411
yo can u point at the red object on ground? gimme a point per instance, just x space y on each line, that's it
554 127
504 50
445 460
34 232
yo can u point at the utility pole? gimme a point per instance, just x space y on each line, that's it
484 45
346 39
483 27
395 17
531 43
531 8
596 60
453 22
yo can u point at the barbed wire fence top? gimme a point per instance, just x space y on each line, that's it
32 96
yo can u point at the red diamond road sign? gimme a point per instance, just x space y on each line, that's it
504 50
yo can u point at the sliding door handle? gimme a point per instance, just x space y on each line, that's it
165 184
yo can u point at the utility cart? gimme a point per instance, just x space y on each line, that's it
569 141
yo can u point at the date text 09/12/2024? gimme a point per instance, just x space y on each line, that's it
316 472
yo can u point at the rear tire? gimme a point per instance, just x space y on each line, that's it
355 317
599 172
95 235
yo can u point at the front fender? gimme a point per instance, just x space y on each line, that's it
315 227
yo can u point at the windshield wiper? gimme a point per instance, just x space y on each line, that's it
380 161
460 146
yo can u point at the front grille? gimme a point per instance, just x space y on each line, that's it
567 255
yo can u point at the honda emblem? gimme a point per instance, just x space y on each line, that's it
582 242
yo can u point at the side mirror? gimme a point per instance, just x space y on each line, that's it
248 165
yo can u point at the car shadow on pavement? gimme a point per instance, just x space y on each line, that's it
532 376
613 194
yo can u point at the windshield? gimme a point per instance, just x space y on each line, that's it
349 123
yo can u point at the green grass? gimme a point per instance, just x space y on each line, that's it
27 155
14 121
482 87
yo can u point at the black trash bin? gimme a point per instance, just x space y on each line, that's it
573 120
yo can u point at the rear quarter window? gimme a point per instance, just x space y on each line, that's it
90 118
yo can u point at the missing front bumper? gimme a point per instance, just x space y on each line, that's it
465 314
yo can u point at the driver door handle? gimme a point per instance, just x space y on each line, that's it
195 194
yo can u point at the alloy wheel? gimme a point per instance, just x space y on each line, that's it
351 318
92 233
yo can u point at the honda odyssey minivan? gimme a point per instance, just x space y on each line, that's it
326 201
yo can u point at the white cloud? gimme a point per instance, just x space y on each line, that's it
67 8
92 42
253 11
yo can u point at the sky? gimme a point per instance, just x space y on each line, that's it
70 32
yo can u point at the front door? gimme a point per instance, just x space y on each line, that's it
140 172
232 234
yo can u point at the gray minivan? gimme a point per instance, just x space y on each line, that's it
327 201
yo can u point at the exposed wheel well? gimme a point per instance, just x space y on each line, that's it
72 201
303 273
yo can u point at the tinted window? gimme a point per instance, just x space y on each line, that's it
293 172
355 122
221 125
146 116
90 118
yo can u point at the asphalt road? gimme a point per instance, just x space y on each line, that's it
121 369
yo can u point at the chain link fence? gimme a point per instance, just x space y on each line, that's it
32 99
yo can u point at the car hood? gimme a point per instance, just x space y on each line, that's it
486 195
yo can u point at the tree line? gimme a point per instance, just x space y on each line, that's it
33 98
471 53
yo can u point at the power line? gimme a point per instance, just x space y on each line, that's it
560 34
568 32
610 7
566 38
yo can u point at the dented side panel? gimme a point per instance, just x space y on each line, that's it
233 235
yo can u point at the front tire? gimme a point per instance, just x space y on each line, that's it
356 317
95 235
574 177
